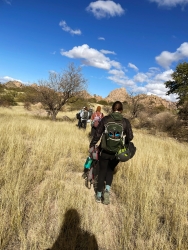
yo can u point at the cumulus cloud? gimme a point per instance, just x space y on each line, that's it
154 84
119 77
102 9
101 38
91 57
66 28
170 3
166 58
119 73
107 52
150 82
164 76
5 79
130 65
140 77
124 81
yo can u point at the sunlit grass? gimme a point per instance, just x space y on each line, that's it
41 164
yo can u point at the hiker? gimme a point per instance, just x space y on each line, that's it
95 119
84 117
107 158
79 117
90 113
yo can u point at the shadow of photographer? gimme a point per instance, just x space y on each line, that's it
72 237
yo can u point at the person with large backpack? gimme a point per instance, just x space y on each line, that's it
95 119
84 115
115 133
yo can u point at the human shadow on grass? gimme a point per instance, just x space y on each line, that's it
72 237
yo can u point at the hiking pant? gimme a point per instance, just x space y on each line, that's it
107 164
84 123
79 122
93 129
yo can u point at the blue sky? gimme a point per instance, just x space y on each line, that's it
134 44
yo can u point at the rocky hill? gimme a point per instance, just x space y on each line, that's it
13 84
147 100
153 100
119 94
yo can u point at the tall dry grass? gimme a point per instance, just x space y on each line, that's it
44 201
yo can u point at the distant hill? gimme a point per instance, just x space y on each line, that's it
13 84
119 94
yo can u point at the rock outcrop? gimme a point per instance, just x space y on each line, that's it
117 95
153 100
13 84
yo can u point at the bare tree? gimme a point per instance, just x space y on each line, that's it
61 87
135 104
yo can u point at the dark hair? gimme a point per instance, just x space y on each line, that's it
117 106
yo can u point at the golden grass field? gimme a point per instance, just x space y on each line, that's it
44 203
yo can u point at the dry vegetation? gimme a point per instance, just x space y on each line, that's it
44 201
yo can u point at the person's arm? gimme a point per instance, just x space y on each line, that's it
81 113
128 132
93 116
98 133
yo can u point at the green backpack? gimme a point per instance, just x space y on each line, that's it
112 138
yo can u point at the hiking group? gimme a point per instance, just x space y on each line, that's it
115 135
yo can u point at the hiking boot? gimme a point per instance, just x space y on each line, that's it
106 197
98 199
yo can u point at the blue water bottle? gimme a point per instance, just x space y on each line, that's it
88 162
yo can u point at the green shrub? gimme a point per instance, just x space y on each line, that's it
7 100
102 102
92 100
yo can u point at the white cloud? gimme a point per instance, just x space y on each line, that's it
68 29
130 65
8 2
140 77
116 72
170 3
5 79
92 57
101 38
107 52
151 82
119 77
164 76
155 85
165 59
102 9
124 81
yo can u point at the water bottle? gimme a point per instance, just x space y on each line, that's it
88 162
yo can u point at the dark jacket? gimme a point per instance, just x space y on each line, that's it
101 128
